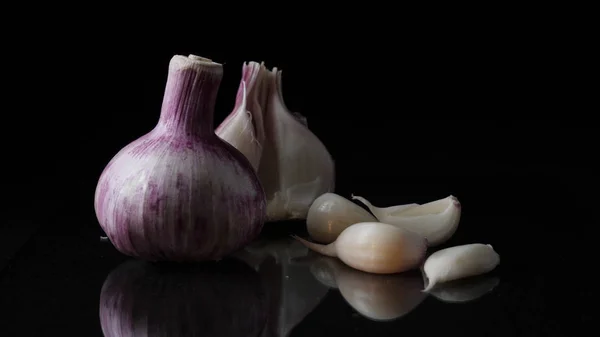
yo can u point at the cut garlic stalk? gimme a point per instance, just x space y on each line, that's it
459 262
461 291
244 128
375 247
295 167
436 221
330 214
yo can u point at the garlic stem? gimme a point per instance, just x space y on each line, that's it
375 247
437 221
327 250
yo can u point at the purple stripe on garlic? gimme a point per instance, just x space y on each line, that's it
180 192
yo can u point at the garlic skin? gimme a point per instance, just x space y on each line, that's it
376 297
462 291
243 128
295 167
330 214
437 221
459 262
375 247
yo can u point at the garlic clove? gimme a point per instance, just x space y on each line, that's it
459 262
244 128
375 247
461 291
383 212
295 167
330 214
376 297
437 221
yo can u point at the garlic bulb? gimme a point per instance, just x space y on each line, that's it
295 167
459 262
179 192
330 214
436 221
466 290
376 297
375 247
243 128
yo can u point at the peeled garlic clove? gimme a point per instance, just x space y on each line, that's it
243 128
295 167
459 262
437 221
330 214
461 291
375 247
383 212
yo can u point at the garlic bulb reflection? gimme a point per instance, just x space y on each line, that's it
148 300
466 290
295 167
330 214
375 247
377 297
459 262
436 221
292 291
243 128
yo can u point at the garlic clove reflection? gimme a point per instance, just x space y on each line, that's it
459 262
437 221
330 214
292 292
461 291
375 247
376 297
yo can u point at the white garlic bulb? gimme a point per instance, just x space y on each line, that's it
437 221
330 214
376 297
375 247
459 262
295 167
461 291
244 128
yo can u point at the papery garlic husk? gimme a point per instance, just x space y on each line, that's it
375 247
437 221
244 128
465 290
295 167
376 297
459 262
330 214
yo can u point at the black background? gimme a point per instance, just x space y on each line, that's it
490 116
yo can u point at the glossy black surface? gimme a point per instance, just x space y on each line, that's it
57 284
428 115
